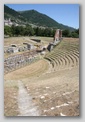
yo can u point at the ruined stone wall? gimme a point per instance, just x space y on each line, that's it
58 35
15 62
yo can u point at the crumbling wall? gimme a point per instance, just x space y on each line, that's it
57 38
58 35
20 60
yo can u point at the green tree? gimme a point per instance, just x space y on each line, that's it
7 30
31 31
65 33
77 31
74 35
13 30
37 31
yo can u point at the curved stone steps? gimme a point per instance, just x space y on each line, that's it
76 53
66 61
72 60
59 54
50 60
76 58
62 54
69 43
53 63
62 59
69 64
60 66
56 50
65 58
68 46
61 63
70 50
57 63
72 45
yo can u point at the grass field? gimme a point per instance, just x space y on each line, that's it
21 40
52 82
10 98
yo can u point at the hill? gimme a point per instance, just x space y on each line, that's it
39 19
14 15
33 17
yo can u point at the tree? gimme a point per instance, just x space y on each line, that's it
31 31
77 31
7 30
65 33
74 35
13 30
37 31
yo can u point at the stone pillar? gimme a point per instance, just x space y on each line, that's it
56 37
60 34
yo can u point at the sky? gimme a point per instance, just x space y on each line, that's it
67 14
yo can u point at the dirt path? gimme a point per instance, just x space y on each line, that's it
25 104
